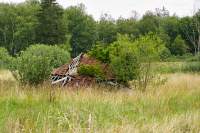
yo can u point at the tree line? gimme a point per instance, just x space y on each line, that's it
72 28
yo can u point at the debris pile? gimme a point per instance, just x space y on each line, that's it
67 74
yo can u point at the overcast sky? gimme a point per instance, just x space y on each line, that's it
123 8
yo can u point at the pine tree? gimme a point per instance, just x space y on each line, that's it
51 29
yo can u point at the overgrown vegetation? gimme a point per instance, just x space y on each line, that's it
92 71
171 107
132 59
38 36
36 63
124 60
5 59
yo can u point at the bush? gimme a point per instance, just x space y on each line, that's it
91 70
5 59
149 49
36 63
124 61
100 52
165 54
179 46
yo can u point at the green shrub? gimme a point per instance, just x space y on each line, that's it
36 63
100 52
165 54
149 49
91 70
124 61
179 46
5 58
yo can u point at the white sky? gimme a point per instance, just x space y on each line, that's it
123 8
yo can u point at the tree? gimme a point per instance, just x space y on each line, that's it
51 29
107 30
179 46
162 12
190 28
171 26
128 26
149 49
17 26
82 29
148 23
169 29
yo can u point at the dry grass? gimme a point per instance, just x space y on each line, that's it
6 75
171 107
177 124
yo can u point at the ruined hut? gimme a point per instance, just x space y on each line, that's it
69 75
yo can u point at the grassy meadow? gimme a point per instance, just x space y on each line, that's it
171 107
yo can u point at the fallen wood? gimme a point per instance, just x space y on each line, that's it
60 80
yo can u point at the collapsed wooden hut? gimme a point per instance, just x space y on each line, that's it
68 74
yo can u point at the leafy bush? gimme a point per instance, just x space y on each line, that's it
91 70
100 52
179 46
131 60
5 58
165 54
149 48
124 61
36 63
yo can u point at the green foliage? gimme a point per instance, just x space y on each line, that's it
149 23
124 60
5 58
170 26
51 28
176 67
46 22
167 67
17 26
149 47
36 63
191 67
91 70
192 58
100 52
179 47
165 55
128 26
107 29
82 28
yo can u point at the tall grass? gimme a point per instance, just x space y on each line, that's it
176 67
172 107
